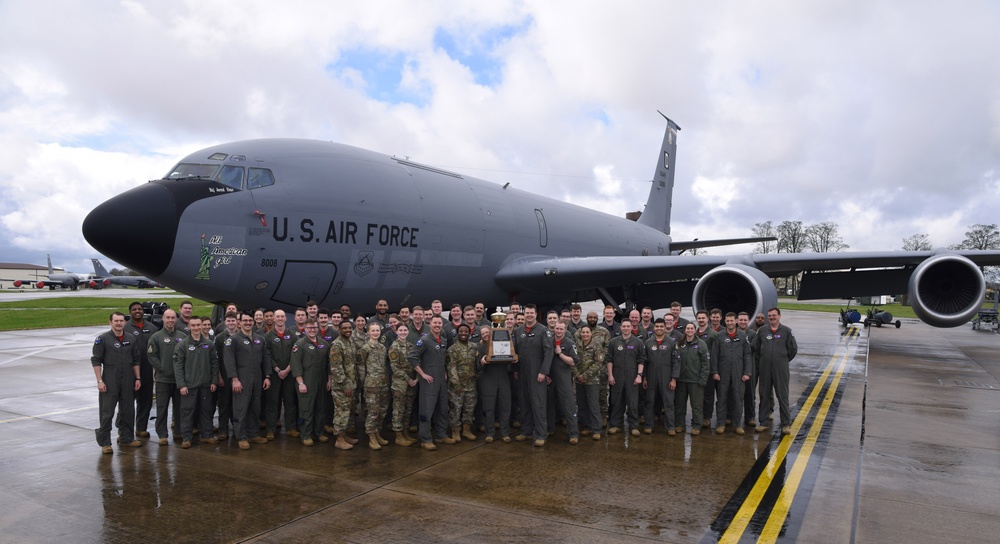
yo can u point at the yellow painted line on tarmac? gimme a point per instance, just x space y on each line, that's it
56 413
741 520
784 503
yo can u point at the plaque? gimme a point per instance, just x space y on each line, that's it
501 345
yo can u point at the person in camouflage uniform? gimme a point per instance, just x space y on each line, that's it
372 356
404 381
461 361
310 373
343 382
587 375
601 338
359 336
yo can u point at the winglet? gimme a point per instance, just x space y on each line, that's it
657 211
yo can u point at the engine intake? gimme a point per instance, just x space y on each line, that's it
946 290
735 288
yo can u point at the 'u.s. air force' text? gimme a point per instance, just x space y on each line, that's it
346 232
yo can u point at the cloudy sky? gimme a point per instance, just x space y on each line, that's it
881 116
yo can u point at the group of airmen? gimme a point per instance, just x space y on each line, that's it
329 373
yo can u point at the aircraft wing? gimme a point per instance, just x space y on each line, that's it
588 272
946 279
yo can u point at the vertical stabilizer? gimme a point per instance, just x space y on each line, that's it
49 257
99 269
657 211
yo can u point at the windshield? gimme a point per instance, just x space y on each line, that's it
191 170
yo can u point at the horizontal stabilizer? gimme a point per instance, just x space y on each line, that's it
684 246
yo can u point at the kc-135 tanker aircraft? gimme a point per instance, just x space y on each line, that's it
277 222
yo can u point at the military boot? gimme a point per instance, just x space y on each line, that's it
406 435
467 432
401 439
342 443
373 442
456 435
381 441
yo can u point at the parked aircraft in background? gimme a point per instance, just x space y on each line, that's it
54 279
276 222
103 278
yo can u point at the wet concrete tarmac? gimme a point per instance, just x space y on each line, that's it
903 447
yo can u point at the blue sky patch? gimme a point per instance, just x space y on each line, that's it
382 72
478 51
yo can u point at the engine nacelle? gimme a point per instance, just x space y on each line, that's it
735 288
40 285
18 283
946 290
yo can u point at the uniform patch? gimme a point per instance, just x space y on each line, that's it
246 342
117 345
419 342
149 349
621 348
166 340
277 339
652 348
295 348
191 348
97 340
135 333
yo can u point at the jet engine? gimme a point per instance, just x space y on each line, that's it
946 290
735 288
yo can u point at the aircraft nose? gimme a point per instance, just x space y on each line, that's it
136 228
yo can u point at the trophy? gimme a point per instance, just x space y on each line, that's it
501 346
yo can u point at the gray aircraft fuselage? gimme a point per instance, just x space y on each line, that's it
345 225
275 223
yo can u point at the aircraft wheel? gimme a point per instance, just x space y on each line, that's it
898 324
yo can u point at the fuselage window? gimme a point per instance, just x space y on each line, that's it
232 176
186 170
259 177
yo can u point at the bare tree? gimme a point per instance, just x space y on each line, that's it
764 230
917 242
823 238
791 239
980 236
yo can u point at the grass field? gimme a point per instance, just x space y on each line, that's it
74 311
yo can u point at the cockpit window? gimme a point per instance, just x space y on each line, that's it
232 176
259 177
186 170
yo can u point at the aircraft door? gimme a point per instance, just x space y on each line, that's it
304 280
